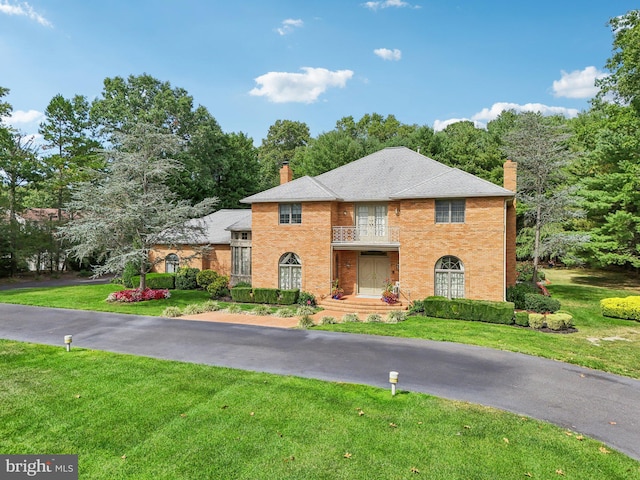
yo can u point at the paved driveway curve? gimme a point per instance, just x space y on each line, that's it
601 405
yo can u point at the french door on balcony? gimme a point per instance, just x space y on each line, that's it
371 221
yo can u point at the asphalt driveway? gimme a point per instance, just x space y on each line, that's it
601 405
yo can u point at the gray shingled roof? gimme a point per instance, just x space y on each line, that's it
391 173
216 225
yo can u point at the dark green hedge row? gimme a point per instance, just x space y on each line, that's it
464 309
156 280
540 303
271 296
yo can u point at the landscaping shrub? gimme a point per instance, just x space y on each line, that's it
306 298
171 312
219 287
517 292
305 310
241 294
130 270
416 307
350 318
211 306
464 309
205 277
396 316
536 320
541 304
524 272
522 319
288 297
131 296
265 295
373 318
285 313
559 321
243 284
156 280
305 322
233 308
193 309
328 320
627 308
261 310
186 278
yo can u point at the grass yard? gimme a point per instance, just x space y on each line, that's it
133 417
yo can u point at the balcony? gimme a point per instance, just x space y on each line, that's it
360 236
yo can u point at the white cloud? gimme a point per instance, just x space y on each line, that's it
485 115
386 54
23 9
21 117
578 84
284 87
289 25
388 3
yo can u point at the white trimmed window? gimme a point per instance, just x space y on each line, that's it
449 277
450 211
241 261
290 213
171 263
290 272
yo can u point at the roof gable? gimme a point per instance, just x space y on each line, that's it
215 225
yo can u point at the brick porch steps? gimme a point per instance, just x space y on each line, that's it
353 304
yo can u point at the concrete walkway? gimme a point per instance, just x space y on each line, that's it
597 404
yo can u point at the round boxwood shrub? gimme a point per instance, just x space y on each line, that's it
186 278
205 277
219 287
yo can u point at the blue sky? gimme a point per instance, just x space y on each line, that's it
252 62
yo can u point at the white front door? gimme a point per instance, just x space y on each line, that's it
373 270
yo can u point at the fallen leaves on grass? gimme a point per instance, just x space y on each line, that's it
559 471
604 450
347 455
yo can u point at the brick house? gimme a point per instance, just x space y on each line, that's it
223 232
394 216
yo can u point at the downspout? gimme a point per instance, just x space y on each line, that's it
504 252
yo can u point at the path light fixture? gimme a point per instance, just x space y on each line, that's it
393 380
67 341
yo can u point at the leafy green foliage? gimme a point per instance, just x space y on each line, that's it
219 287
288 297
307 298
628 307
266 295
186 278
242 294
517 293
540 303
465 309
156 280
205 277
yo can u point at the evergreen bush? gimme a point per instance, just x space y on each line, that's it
241 294
186 278
265 295
464 309
517 292
288 297
219 287
306 298
627 308
540 303
522 319
156 280
205 277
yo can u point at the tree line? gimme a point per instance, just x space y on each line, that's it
579 178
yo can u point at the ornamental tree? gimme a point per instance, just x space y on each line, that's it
124 211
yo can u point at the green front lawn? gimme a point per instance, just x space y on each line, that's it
134 417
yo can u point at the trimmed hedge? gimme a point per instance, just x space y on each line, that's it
559 321
288 297
241 294
627 308
540 304
206 277
156 280
464 309
522 319
265 295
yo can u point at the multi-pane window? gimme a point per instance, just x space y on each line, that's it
290 213
241 257
290 272
450 211
449 278
171 263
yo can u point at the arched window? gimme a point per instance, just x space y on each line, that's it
171 263
290 271
449 277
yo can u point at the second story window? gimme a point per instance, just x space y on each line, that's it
450 211
290 213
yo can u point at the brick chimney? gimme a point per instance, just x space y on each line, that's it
286 174
510 175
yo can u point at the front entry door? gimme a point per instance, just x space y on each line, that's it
373 270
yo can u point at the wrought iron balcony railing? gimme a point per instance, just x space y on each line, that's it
366 235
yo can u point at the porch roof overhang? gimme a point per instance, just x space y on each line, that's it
354 246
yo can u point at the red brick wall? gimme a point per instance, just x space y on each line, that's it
479 243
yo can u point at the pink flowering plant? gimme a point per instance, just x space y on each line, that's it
137 295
